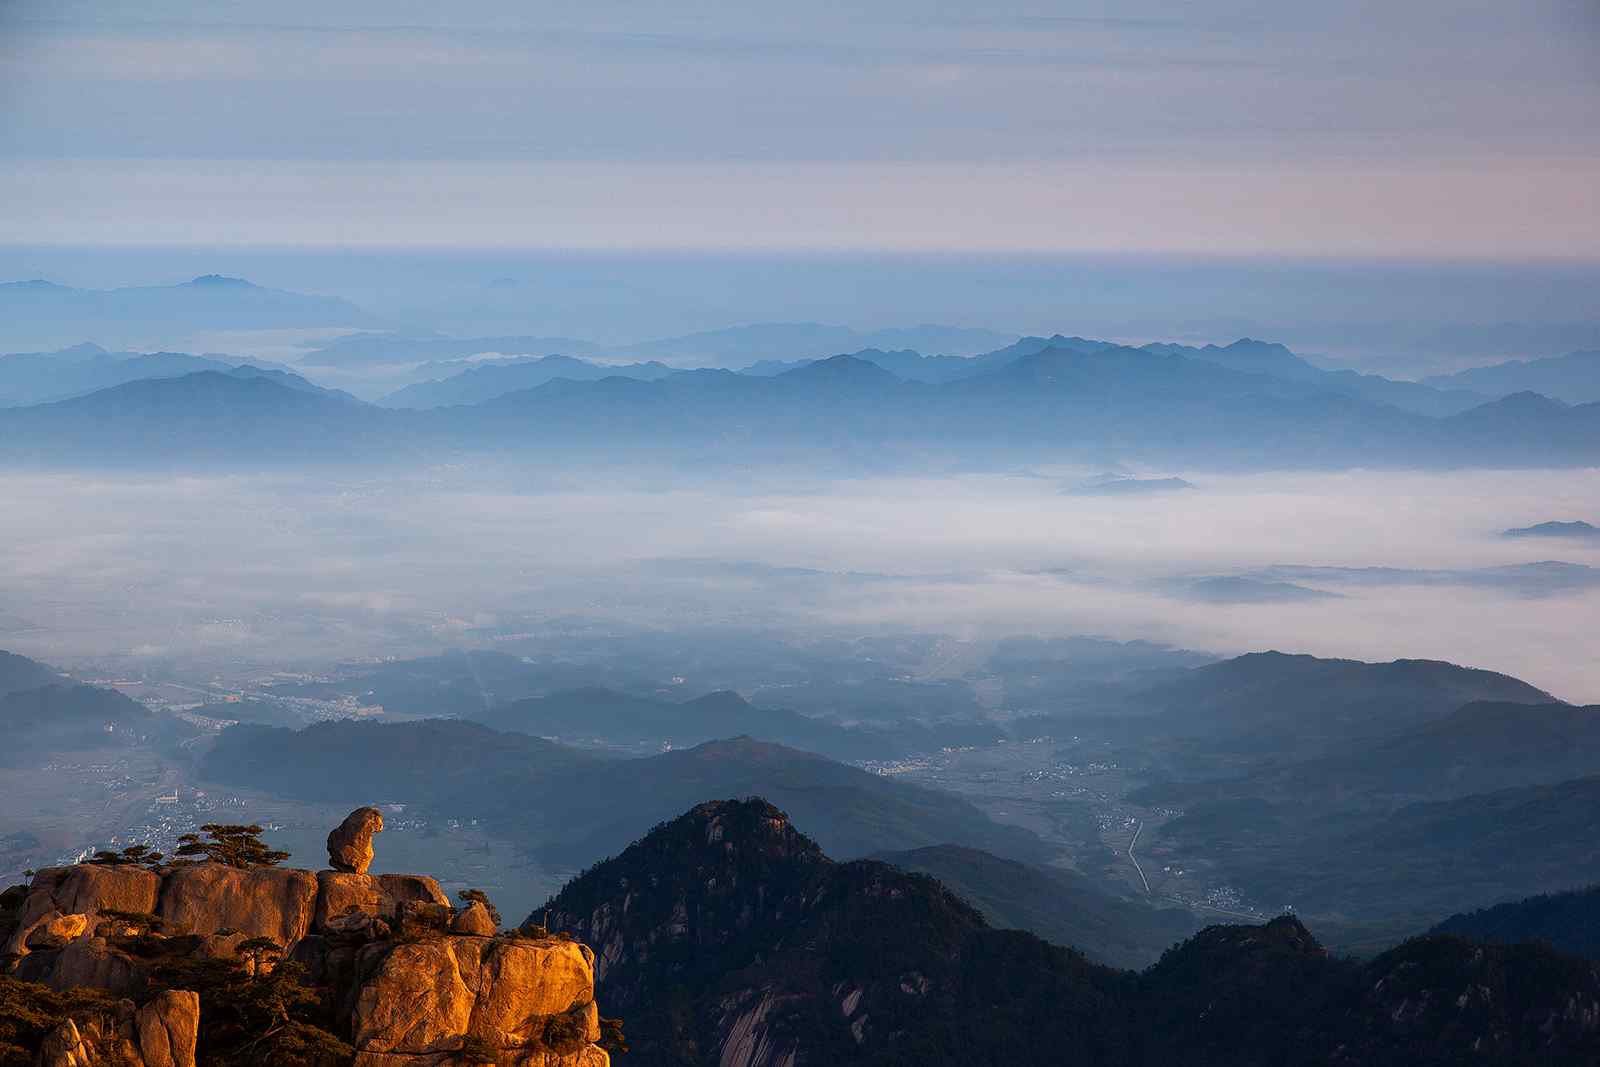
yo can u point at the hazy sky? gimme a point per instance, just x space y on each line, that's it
1429 127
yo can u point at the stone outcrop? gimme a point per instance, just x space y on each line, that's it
88 961
533 999
473 921
86 889
350 843
260 901
384 896
162 1033
410 977
57 931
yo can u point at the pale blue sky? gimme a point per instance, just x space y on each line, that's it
1421 128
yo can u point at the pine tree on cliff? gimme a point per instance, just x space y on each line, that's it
234 845
133 855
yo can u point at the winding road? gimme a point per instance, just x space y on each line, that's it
1135 859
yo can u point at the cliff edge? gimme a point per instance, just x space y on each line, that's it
408 979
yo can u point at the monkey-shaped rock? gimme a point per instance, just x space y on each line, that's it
350 843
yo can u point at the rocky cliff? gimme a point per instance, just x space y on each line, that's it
408 980
161 1033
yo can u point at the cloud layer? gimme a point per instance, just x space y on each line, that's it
243 572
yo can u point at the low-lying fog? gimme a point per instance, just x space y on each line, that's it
239 573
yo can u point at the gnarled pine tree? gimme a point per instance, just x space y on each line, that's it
232 844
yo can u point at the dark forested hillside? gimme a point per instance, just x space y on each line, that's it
20 672
727 936
1057 905
1569 922
431 761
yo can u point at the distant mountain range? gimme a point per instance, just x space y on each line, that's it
739 345
41 314
42 377
240 415
1113 485
1574 378
1537 579
620 721
1577 530
1279 706
1071 399
366 349
784 343
1246 356
474 385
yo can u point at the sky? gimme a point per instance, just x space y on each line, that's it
1431 128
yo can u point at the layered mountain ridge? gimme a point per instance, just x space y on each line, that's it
1064 397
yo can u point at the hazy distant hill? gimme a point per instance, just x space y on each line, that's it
1523 425
38 723
1272 704
743 345
1574 378
477 384
574 807
245 416
1265 357
41 314
602 716
452 684
854 812
1112 485
415 762
365 349
1542 578
1245 355
1430 858
1233 589
20 672
38 377
1479 748
1574 530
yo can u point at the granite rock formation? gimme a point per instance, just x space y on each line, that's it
411 978
161 1033
350 843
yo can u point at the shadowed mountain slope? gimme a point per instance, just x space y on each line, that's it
725 935
20 672
1057 905
1569 922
